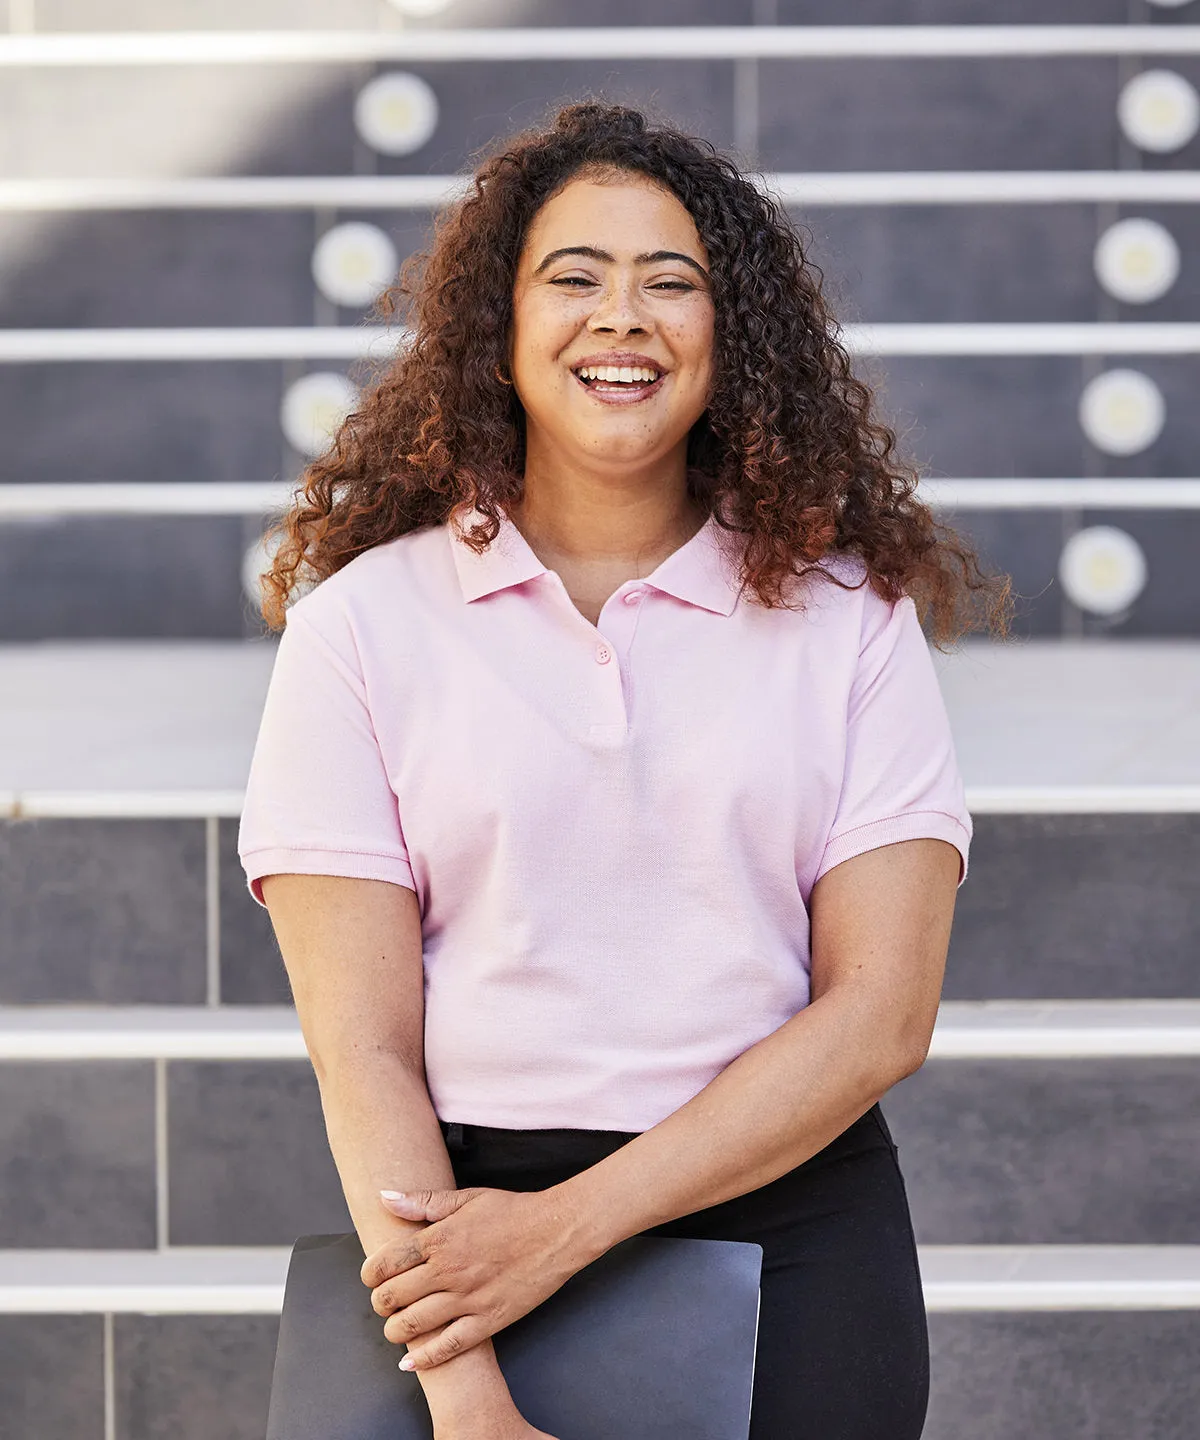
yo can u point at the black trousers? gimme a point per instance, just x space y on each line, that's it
843 1343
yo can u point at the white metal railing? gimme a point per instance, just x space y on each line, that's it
651 42
427 192
102 497
39 804
350 342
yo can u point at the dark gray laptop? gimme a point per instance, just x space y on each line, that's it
655 1338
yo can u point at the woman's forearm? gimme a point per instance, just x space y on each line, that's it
384 1135
772 1108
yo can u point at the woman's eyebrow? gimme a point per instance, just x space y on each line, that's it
590 252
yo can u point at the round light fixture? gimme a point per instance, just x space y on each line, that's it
313 409
258 559
1137 260
1102 569
396 113
1122 411
353 262
255 563
1159 110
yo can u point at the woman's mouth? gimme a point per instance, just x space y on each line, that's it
619 384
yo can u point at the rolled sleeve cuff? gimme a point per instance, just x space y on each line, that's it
913 825
353 864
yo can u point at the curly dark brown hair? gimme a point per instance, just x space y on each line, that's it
787 452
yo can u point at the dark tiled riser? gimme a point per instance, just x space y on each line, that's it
179 577
958 415
1055 907
882 264
956 113
993 1376
993 1152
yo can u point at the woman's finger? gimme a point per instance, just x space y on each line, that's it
405 1289
416 1321
394 1258
454 1340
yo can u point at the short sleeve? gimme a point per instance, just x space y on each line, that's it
901 779
318 800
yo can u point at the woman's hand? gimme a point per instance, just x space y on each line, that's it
485 1258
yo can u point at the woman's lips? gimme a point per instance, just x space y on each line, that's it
616 392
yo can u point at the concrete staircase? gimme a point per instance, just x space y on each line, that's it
159 1121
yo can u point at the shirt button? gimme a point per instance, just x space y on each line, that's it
603 654
633 596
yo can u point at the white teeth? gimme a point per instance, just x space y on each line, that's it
619 374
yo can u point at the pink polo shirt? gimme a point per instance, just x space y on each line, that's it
612 830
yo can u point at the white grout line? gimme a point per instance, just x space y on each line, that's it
377 342
212 909
161 1152
651 42
110 1380
815 189
965 1030
222 497
1181 799
250 1280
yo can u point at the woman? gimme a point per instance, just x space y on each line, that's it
604 802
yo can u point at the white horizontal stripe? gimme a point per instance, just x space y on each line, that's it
1083 799
220 1280
274 342
347 342
150 1032
651 42
200 1280
1060 1277
227 804
164 498
1113 494
120 805
261 497
965 1030
1065 1030
428 192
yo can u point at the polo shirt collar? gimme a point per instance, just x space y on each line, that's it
697 572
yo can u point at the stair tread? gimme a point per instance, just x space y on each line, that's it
170 716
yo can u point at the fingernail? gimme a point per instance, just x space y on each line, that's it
393 1194
408 1363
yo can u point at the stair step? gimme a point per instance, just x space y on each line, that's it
228 1280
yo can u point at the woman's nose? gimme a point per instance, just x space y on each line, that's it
618 310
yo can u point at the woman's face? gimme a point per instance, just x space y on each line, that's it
612 334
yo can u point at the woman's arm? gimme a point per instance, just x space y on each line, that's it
352 949
880 934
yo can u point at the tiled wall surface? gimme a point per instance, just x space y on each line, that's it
993 1152
219 420
114 912
994 1376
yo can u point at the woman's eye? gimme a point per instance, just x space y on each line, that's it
672 285
572 280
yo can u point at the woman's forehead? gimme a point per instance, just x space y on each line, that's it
624 213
